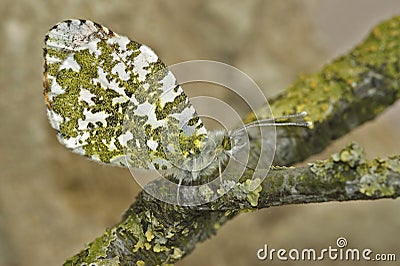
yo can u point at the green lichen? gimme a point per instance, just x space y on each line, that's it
140 263
217 225
374 180
352 155
160 248
375 185
372 176
100 245
251 189
178 253
393 163
206 192
149 235
97 251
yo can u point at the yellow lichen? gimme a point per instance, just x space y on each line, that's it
149 235
140 263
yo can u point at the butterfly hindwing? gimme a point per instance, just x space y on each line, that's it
113 100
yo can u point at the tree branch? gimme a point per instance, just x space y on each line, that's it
352 89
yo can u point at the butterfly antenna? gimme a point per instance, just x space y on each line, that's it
269 122
283 117
220 170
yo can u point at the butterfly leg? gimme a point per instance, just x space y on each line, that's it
178 190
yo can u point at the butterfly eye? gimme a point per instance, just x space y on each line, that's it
226 143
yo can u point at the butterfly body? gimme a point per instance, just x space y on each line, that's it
219 147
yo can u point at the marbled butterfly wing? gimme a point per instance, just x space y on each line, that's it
96 80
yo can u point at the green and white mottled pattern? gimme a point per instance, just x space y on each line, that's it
112 99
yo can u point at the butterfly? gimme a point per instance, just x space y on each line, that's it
114 101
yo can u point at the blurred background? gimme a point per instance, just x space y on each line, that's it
52 202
